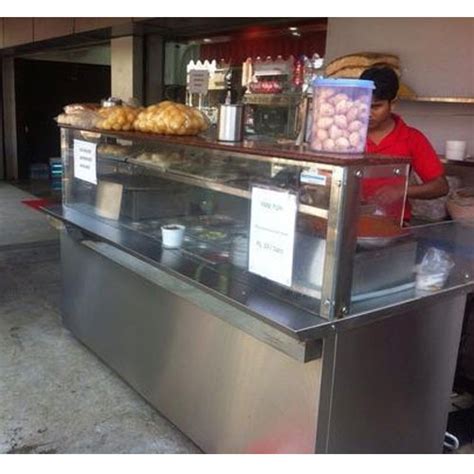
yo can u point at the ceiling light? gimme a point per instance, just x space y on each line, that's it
293 28
207 40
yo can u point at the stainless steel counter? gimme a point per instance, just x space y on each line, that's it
260 375
345 356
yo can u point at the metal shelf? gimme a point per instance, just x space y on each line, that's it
282 100
440 100
465 162
218 186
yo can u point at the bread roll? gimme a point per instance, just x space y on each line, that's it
119 117
171 118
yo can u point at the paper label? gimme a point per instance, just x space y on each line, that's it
85 161
313 177
198 82
272 234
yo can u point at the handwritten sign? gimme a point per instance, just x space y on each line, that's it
272 234
85 161
198 82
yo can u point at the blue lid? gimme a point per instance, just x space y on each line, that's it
344 83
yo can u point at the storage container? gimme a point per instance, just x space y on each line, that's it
341 110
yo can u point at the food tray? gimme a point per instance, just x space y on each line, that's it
378 242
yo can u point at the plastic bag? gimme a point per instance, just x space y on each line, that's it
77 108
81 119
434 269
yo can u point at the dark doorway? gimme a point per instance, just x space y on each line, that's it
42 88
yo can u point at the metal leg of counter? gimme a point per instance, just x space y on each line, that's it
390 382
228 391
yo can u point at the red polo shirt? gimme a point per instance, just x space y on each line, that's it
408 141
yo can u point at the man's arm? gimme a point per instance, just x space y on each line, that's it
429 190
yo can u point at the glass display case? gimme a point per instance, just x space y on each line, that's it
309 253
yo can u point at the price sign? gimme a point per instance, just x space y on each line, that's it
198 82
85 161
272 234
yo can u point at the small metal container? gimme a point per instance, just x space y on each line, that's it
230 123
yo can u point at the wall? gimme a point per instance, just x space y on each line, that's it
97 54
127 67
46 28
437 59
16 31
9 115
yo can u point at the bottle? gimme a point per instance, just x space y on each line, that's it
298 74
307 71
317 65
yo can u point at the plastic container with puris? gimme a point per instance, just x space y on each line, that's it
341 111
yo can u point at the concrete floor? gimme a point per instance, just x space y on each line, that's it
19 223
55 395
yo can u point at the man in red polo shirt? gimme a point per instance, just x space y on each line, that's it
388 134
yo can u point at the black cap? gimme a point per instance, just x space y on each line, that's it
385 81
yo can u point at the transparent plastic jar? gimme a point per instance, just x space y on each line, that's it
341 110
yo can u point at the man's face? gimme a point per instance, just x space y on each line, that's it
380 111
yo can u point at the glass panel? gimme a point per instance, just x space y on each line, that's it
144 185
385 255
383 195
452 242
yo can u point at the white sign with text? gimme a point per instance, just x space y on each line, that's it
272 234
198 82
85 161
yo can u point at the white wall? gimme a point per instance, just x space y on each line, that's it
437 59
127 67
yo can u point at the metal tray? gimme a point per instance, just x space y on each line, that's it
378 242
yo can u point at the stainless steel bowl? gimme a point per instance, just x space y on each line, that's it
378 242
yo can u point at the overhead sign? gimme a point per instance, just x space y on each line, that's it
272 234
85 161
